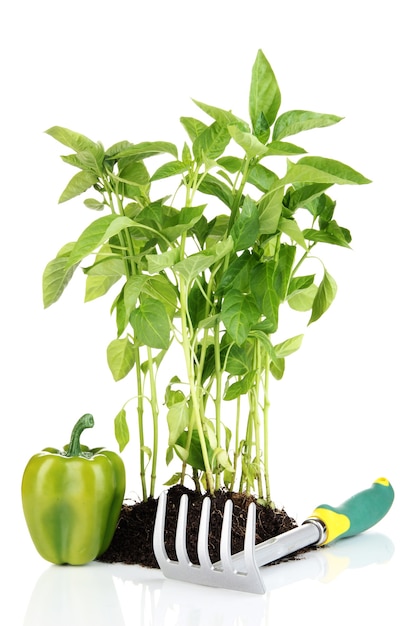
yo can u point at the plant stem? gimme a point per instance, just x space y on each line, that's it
237 430
155 414
254 402
266 407
246 455
140 412
218 400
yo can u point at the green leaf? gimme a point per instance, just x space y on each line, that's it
230 163
99 285
78 185
299 283
282 148
302 300
151 324
186 156
194 458
214 187
86 160
120 357
169 455
135 179
56 276
121 318
121 430
284 269
278 369
237 274
175 478
239 359
222 248
343 173
290 228
172 396
147 451
262 280
159 262
251 145
147 149
301 293
197 303
289 346
173 168
216 231
73 140
269 211
222 458
225 118
293 122
178 417
93 204
116 148
131 292
323 206
192 266
333 234
246 227
193 127
96 234
295 198
312 169
239 313
326 293
240 387
160 288
182 221
262 178
264 96
212 142
155 362
261 129
108 268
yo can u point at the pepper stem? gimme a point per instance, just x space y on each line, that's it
74 447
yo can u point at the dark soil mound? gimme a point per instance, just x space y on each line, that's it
132 541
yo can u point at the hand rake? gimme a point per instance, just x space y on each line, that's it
241 571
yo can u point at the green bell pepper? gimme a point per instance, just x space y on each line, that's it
72 499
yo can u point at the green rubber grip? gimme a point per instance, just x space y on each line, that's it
357 514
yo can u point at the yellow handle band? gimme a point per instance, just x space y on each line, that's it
336 523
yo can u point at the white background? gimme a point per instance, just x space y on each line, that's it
344 413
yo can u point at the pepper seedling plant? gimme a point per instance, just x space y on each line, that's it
204 271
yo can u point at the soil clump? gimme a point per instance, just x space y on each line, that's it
132 541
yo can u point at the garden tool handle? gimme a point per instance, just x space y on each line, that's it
357 514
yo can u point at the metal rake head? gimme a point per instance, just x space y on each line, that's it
239 572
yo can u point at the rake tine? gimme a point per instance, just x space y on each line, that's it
249 547
181 533
225 539
159 531
203 531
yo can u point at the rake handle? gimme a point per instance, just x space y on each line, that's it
327 523
354 516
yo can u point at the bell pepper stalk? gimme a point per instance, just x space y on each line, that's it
72 499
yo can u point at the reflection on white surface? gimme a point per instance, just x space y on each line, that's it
78 595
99 593
326 564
